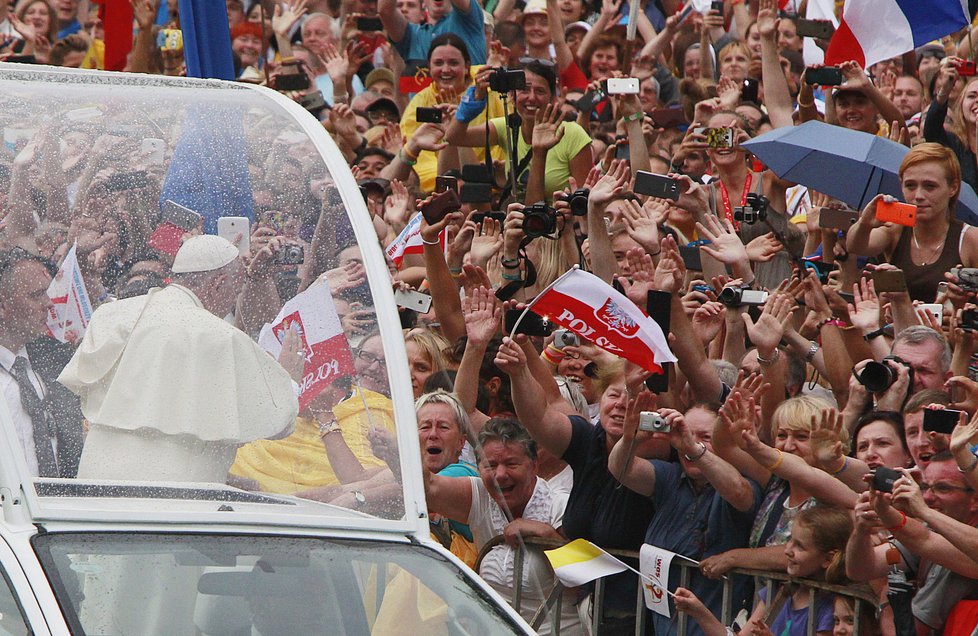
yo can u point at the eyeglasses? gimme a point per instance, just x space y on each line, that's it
371 358
942 488
539 61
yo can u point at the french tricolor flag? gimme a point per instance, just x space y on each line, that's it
875 30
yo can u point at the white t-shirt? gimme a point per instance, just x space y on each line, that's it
486 520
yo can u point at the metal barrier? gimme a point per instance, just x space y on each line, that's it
860 593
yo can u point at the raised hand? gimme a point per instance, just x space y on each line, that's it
738 415
671 271
763 248
609 186
286 15
430 136
640 224
828 440
510 357
637 286
487 242
548 128
707 321
767 332
396 206
964 434
482 312
767 18
725 245
864 311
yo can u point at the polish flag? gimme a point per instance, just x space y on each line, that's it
409 242
313 316
71 308
594 310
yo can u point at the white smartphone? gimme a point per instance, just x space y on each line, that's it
934 309
413 300
83 114
236 229
153 149
623 86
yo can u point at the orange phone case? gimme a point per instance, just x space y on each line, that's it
896 212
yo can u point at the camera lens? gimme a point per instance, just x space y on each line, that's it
730 295
876 377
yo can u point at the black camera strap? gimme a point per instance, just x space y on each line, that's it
509 290
520 169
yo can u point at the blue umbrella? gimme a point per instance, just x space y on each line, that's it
848 165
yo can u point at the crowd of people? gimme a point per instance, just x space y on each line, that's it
821 419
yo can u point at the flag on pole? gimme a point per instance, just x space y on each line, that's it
875 30
594 310
580 562
71 308
654 564
313 316
116 17
409 242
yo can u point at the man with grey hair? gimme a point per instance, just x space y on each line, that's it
928 354
169 387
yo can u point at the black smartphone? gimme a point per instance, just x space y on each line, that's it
291 81
426 115
313 102
691 257
824 76
180 216
475 193
883 478
837 219
749 91
479 217
440 205
717 6
591 99
818 29
822 270
446 183
668 117
477 172
941 420
127 180
621 151
531 325
656 185
369 24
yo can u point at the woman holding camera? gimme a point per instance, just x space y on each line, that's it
449 66
937 242
961 138
548 150
753 201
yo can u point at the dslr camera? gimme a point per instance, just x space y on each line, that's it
504 80
755 210
967 277
539 220
652 422
877 377
578 201
738 296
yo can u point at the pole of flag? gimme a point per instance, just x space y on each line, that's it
630 29
533 302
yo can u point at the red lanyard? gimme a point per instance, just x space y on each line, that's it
728 211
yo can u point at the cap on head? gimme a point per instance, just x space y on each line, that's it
204 253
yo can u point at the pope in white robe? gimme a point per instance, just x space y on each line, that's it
169 388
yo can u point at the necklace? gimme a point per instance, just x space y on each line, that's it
934 252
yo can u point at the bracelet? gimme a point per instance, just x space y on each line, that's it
899 526
435 242
455 271
510 262
634 117
403 155
974 462
773 467
693 460
874 334
812 350
808 105
845 465
552 354
835 322
325 428
512 277
768 362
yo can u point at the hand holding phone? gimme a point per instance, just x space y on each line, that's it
896 212
440 205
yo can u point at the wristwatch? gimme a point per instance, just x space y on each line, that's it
875 334
325 428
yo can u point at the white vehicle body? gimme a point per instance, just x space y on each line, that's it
156 550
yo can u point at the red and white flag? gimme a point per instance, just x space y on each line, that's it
409 241
313 316
594 310
71 308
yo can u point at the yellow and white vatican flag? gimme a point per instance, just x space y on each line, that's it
580 562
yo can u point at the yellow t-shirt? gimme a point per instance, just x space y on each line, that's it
558 158
298 462
427 166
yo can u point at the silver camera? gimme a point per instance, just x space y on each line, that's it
652 422
566 338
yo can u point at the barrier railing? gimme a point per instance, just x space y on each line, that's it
551 606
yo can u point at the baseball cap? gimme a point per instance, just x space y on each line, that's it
204 253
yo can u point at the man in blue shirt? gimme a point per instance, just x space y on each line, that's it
66 12
464 18
703 505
